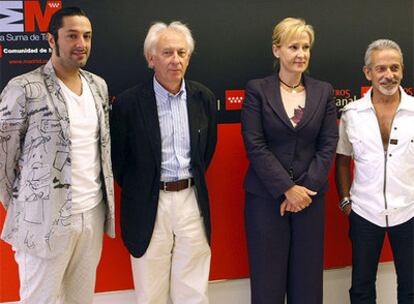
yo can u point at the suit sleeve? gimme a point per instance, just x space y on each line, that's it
265 164
13 126
212 130
319 168
119 138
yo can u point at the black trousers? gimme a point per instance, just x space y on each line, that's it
285 253
367 241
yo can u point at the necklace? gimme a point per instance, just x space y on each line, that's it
294 87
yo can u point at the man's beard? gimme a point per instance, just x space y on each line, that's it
389 92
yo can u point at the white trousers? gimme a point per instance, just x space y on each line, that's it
70 277
177 261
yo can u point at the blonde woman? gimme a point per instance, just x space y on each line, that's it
290 133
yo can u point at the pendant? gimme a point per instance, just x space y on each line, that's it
294 91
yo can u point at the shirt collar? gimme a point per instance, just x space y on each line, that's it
407 102
163 93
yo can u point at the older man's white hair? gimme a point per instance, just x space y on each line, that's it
155 32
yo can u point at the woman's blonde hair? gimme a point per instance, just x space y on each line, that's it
291 27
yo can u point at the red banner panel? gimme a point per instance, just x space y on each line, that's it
229 254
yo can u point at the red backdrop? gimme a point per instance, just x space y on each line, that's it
229 256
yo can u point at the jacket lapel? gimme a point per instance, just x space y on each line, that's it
274 98
313 96
100 103
148 104
57 101
193 117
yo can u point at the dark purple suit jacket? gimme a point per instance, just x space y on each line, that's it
280 155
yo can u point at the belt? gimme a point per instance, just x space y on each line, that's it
177 185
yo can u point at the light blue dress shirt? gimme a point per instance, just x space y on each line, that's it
175 133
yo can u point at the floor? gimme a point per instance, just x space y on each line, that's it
336 285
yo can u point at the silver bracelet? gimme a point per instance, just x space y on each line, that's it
344 202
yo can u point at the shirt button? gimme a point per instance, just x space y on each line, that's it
395 128
390 155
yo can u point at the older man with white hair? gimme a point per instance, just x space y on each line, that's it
164 136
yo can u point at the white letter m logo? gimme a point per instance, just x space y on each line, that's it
8 16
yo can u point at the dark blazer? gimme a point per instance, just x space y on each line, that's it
280 155
136 156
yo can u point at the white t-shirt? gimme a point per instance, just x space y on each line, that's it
84 149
